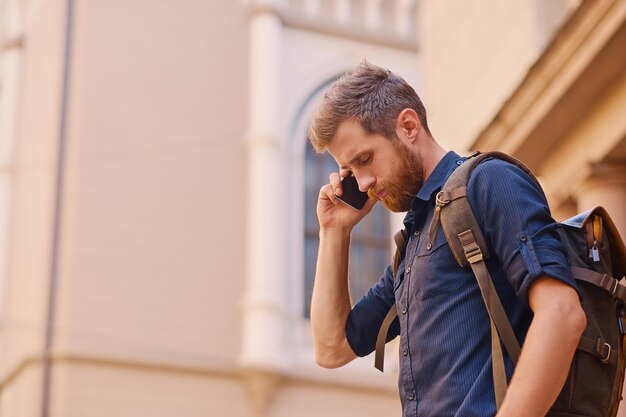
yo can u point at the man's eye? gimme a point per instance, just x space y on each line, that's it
366 160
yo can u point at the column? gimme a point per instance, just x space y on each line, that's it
264 354
343 9
404 16
10 65
313 7
373 14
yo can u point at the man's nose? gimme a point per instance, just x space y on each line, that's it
365 182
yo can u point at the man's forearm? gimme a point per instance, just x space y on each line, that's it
545 360
331 304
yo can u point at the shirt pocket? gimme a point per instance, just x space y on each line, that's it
435 270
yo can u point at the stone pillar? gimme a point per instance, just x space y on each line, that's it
606 187
264 356
373 14
404 11
10 68
343 10
313 7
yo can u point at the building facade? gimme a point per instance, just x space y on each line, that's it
152 170
153 162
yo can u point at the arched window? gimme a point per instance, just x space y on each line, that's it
369 251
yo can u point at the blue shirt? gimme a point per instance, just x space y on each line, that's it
445 343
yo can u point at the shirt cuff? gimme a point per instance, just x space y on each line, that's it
535 260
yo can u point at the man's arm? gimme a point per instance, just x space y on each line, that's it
544 364
330 304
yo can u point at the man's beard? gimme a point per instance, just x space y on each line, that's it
405 181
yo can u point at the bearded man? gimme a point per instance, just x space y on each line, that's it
374 125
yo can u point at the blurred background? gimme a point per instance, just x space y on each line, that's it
157 190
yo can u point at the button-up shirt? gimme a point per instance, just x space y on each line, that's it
445 342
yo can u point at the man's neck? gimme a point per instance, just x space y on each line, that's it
431 154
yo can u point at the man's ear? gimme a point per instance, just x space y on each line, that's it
408 125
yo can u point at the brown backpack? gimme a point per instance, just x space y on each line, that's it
597 255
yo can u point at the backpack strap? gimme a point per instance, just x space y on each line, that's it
604 281
400 239
469 248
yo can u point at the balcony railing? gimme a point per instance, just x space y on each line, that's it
390 22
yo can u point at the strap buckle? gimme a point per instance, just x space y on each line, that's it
471 249
604 349
474 255
607 282
440 200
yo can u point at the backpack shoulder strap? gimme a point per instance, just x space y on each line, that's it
468 245
458 215
400 239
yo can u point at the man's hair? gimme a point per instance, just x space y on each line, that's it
372 95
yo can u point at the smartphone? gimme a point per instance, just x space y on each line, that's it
352 196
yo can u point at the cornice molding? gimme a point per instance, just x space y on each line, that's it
551 78
294 20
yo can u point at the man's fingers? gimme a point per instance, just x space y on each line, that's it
335 183
329 193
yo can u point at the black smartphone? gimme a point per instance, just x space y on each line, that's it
352 196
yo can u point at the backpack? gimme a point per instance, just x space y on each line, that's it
597 256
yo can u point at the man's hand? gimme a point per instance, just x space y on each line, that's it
332 213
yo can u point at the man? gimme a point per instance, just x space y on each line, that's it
374 125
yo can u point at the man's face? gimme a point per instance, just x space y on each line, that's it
387 169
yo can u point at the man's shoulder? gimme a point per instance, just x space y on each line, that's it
498 175
492 166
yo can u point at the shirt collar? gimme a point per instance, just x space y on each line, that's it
433 184
438 177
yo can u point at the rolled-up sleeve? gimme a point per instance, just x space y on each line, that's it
368 314
516 222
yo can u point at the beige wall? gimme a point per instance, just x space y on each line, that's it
154 205
103 390
473 56
154 233
22 397
153 210
29 236
98 389
155 198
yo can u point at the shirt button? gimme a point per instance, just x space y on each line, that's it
459 162
522 238
410 396
408 270
405 351
429 246
416 233
403 310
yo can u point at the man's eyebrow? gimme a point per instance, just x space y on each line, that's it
356 158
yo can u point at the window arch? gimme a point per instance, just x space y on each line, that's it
370 243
